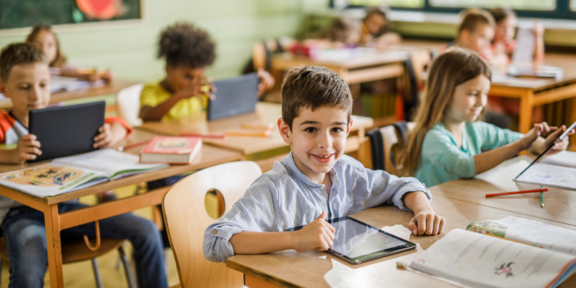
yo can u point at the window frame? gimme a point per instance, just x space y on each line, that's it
562 10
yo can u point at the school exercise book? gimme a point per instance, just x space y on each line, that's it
72 173
175 150
478 260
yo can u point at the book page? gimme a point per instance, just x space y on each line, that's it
51 179
525 43
484 261
550 175
114 163
564 158
530 232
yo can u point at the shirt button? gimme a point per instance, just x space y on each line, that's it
214 232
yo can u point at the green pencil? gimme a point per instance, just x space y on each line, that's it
542 198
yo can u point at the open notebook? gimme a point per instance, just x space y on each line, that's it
557 170
75 172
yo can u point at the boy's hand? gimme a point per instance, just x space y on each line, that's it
426 223
104 139
317 235
28 149
195 89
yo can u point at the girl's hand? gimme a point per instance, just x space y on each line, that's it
426 223
317 235
538 29
200 86
266 81
28 149
104 139
540 129
560 146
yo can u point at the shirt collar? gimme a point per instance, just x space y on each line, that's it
296 173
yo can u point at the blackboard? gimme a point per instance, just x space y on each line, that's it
27 13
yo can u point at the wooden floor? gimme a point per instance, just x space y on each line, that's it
80 275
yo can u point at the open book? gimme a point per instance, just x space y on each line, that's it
478 260
555 171
75 172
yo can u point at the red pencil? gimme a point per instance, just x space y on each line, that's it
215 136
133 145
517 192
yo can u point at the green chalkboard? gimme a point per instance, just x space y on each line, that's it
26 13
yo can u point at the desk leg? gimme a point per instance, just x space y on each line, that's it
52 223
526 106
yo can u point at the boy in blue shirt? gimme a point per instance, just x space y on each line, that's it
25 79
316 181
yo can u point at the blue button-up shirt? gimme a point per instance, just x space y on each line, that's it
285 198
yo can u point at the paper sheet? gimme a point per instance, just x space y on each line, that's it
398 230
550 175
342 276
564 158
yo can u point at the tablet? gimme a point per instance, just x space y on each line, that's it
66 130
234 97
357 242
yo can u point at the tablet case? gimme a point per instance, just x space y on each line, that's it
66 130
234 97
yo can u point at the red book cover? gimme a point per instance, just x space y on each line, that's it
178 150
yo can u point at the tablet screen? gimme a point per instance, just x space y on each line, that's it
357 242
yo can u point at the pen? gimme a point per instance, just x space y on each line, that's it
542 198
542 190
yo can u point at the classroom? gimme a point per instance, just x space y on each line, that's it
298 143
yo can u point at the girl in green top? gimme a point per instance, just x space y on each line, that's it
448 141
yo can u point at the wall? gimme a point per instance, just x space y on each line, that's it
129 48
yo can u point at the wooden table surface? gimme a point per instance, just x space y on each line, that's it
460 202
110 88
265 113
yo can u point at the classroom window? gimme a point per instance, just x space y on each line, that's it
391 3
526 5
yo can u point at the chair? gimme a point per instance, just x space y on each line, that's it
76 251
381 148
414 81
186 220
128 104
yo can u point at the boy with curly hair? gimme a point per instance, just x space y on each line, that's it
187 50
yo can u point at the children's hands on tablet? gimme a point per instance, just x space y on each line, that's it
426 223
550 134
104 139
318 235
28 149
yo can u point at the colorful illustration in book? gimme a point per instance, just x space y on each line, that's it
504 269
171 144
43 176
488 227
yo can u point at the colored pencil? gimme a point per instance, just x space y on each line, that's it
542 198
215 136
517 192
133 145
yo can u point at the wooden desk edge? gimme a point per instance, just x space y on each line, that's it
259 275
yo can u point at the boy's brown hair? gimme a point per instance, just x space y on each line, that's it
313 87
473 17
19 54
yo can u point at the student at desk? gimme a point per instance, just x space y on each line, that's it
315 181
374 30
449 141
24 78
44 38
185 90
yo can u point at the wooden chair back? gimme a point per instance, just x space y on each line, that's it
128 104
186 220
386 150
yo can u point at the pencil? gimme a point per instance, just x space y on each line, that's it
541 190
541 198
215 136
133 145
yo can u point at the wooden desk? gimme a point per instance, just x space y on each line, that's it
534 92
364 67
250 147
111 88
55 221
293 269
560 204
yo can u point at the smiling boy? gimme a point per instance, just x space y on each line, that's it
316 181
